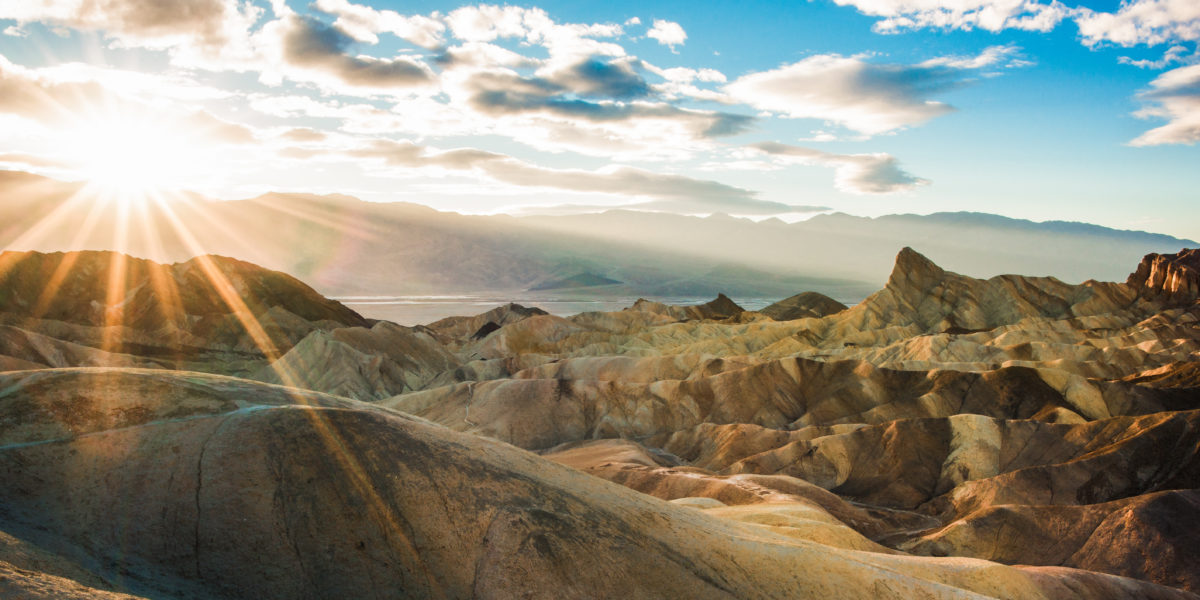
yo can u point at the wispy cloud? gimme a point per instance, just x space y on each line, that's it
868 97
1174 96
854 173
660 191
207 32
989 15
1135 22
365 23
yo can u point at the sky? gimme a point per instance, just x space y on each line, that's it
1079 111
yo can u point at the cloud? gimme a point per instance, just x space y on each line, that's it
854 173
304 134
409 154
485 23
1148 22
989 15
213 128
1175 96
741 208
27 93
499 93
866 97
1173 55
482 54
1136 22
668 33
364 23
676 193
991 56
198 30
594 77
66 98
311 44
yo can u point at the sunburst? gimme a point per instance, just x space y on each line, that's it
132 158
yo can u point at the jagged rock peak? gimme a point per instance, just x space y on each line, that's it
721 307
913 268
1175 276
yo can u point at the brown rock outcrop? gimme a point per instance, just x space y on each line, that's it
805 305
1175 278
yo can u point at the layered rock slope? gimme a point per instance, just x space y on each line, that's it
928 407
1013 437
255 491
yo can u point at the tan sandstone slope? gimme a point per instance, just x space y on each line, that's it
1015 437
228 488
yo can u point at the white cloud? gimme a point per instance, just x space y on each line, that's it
876 173
483 54
1176 97
1173 55
990 56
990 15
633 21
866 97
668 33
1148 22
862 96
198 32
657 191
1135 22
363 23
565 41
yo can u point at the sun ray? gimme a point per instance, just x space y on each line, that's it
111 336
50 292
332 440
85 197
165 289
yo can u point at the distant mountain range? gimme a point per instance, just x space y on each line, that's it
345 246
862 249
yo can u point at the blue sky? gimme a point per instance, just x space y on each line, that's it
1031 109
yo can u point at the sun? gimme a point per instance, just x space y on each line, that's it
133 157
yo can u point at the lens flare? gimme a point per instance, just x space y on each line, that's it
131 157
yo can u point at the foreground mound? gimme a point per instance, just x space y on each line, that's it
329 498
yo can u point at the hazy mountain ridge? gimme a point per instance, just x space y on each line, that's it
344 246
977 244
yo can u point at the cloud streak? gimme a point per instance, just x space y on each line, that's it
989 15
853 173
1174 96
663 192
866 97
